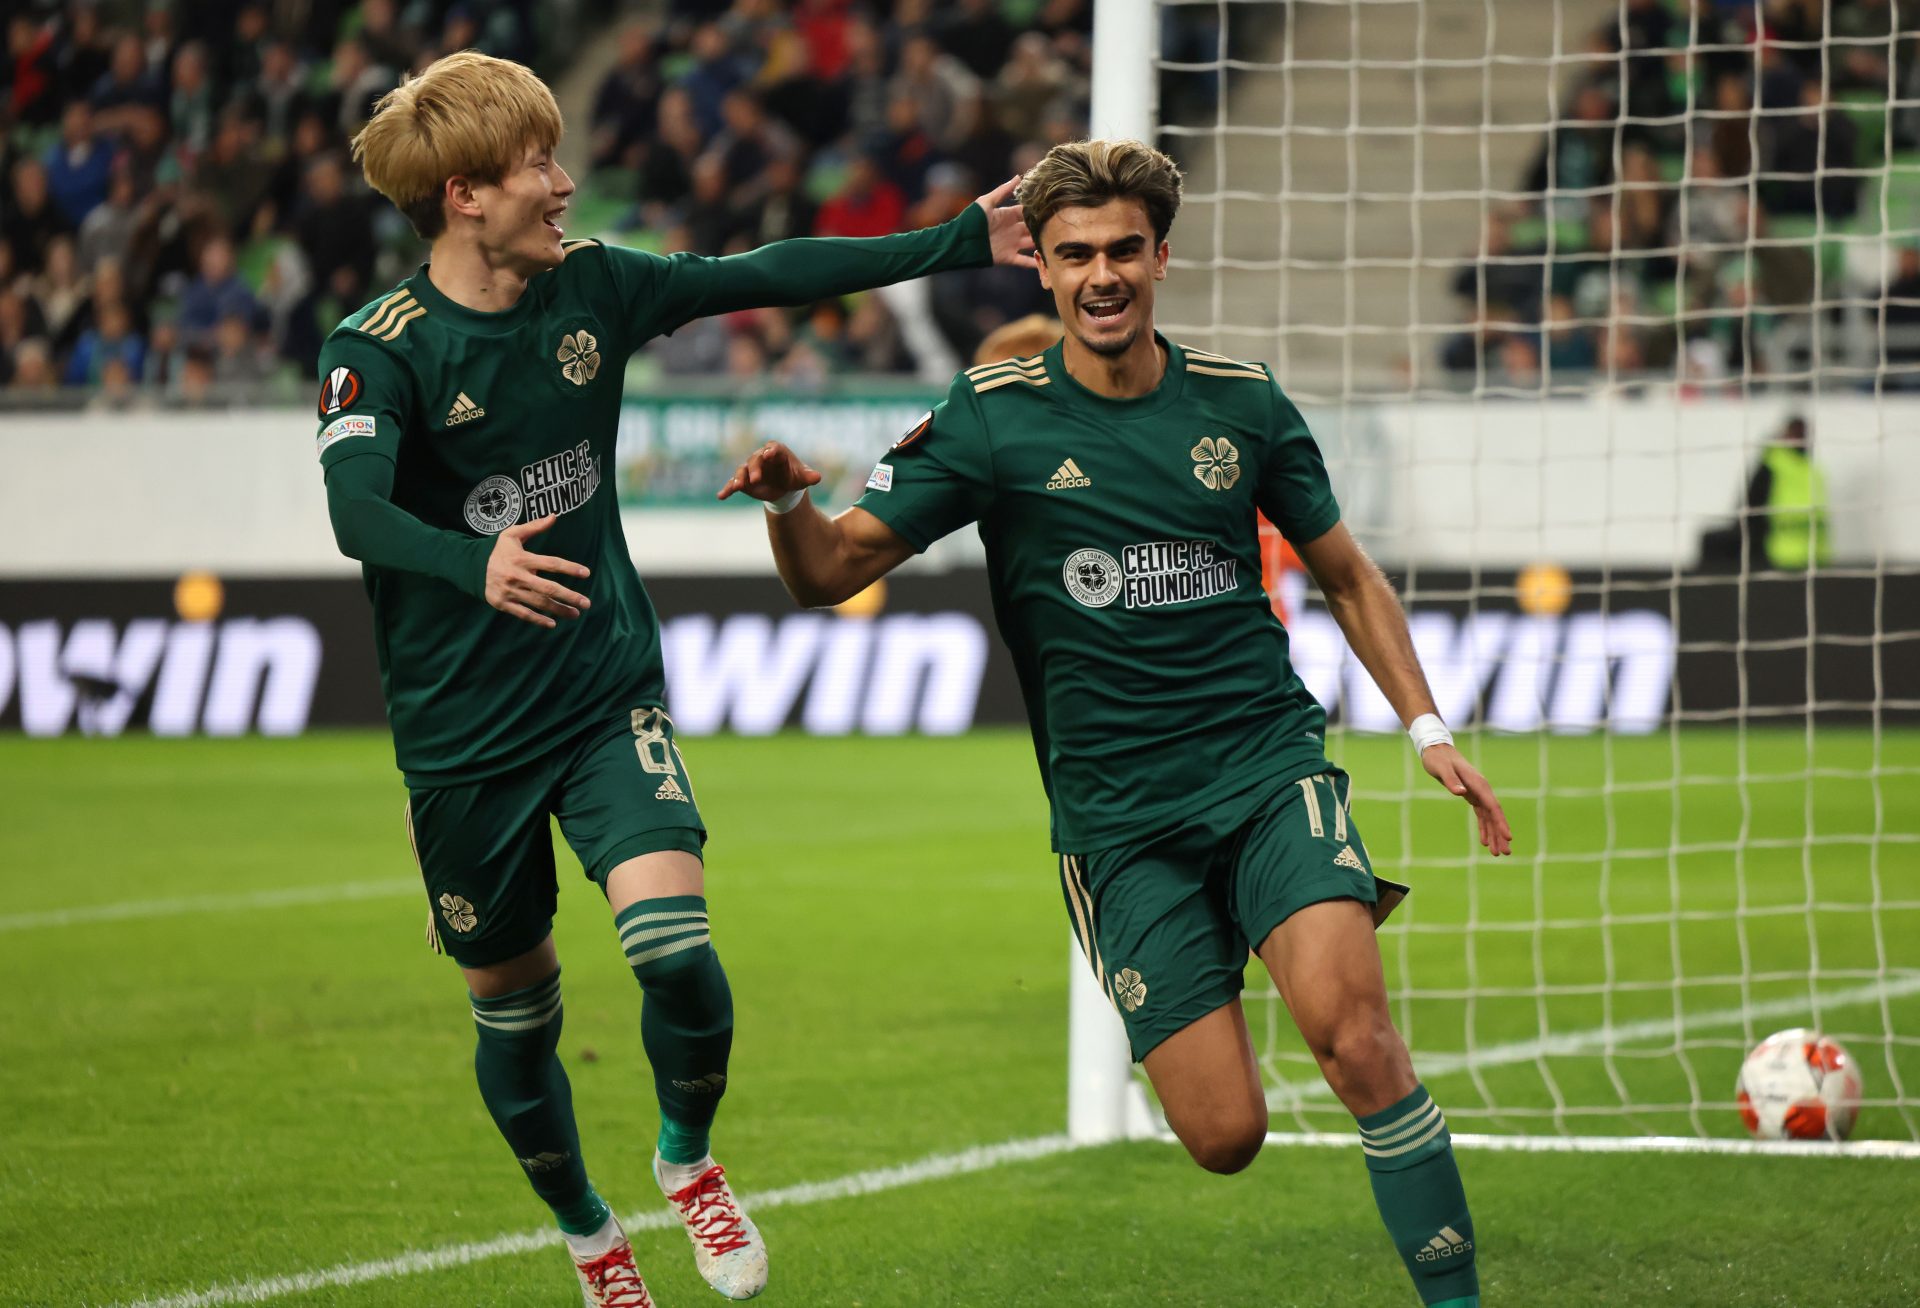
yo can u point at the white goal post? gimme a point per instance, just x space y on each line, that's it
1543 380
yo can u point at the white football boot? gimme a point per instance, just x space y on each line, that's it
604 1263
727 1247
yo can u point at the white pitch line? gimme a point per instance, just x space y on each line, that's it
340 892
1629 1144
980 1158
1288 1093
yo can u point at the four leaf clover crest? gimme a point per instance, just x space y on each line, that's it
579 356
1216 463
458 912
1129 989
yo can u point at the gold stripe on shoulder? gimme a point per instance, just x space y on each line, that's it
1228 372
1209 357
982 385
399 324
378 320
1035 366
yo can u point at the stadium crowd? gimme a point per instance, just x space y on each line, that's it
180 219
1688 211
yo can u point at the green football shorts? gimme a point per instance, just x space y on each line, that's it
619 789
1167 921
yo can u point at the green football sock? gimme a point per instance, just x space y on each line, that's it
1417 1186
686 1020
526 1090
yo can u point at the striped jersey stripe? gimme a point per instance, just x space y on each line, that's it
382 317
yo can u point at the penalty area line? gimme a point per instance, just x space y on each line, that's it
980 1158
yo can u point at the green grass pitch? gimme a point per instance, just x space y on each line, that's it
226 1054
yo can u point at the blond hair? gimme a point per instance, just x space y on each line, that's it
467 115
1018 339
1091 173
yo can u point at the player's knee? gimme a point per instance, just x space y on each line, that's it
1227 1142
1365 1051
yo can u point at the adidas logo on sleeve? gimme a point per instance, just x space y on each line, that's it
1069 477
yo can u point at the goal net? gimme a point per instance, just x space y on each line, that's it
1607 316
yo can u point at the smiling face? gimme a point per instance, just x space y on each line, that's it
1101 263
520 216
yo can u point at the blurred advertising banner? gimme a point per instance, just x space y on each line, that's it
1540 649
676 450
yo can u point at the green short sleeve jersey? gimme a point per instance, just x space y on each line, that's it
493 419
1124 560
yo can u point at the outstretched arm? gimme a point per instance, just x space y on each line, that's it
369 526
1369 613
813 268
822 560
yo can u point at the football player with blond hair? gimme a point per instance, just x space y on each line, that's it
464 413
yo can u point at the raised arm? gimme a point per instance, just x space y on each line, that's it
1369 613
370 527
822 560
813 268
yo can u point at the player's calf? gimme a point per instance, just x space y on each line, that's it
1417 1187
526 1090
686 1021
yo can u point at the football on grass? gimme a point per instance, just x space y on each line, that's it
1799 1085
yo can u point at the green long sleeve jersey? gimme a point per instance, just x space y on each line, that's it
1123 556
441 426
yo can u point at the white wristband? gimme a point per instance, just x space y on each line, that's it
786 503
1428 730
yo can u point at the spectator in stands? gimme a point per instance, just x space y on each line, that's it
1814 148
334 229
127 83
279 94
387 44
356 82
666 164
1569 344
228 175
975 33
215 293
32 220
627 105
747 142
61 292
1031 83
717 69
107 234
19 323
1508 283
866 204
1578 154
1019 339
904 151
82 57
33 370
190 104
783 210
709 217
945 95
111 340
79 164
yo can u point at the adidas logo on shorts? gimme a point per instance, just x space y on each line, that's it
670 789
1347 858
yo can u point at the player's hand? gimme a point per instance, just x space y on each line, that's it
1446 765
770 472
514 583
1006 227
